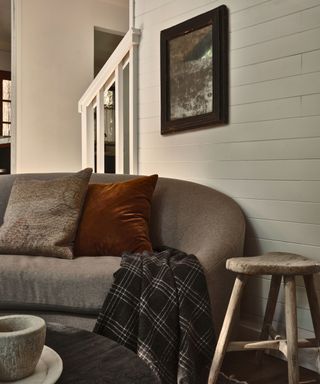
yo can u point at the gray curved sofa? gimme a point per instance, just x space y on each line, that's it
185 215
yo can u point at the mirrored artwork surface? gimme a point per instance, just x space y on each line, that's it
191 78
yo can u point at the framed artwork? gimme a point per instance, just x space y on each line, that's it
194 72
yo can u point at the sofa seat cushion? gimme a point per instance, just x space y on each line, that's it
36 282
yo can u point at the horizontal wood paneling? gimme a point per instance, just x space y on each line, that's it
254 322
168 13
285 46
298 127
311 61
269 170
268 156
260 286
269 149
266 110
281 190
269 10
282 26
274 69
285 149
305 84
291 232
165 8
257 246
292 211
310 105
293 170
257 306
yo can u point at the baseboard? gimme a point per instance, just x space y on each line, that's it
308 357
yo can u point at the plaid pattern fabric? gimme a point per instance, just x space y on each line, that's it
158 306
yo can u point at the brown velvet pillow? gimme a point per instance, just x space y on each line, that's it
116 218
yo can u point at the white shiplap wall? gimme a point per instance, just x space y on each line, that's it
268 157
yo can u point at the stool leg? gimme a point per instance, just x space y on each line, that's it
225 333
269 313
291 329
314 304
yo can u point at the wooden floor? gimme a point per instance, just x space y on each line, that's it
271 371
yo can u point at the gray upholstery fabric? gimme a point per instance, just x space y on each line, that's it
188 216
75 286
41 217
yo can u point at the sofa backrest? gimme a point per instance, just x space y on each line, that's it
187 216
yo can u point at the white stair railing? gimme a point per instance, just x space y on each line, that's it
111 73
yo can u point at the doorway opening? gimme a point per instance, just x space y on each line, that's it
105 42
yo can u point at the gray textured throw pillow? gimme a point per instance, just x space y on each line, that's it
42 215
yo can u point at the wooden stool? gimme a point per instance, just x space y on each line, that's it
277 264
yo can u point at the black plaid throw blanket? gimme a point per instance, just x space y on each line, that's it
158 306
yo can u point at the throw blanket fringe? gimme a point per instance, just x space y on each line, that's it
159 307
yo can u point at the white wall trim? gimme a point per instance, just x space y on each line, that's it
132 6
133 110
15 78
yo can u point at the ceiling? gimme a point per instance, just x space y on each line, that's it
5 25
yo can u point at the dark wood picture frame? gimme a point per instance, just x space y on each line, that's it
215 110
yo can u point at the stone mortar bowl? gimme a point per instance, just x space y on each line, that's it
21 342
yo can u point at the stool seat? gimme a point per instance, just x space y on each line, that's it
274 263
